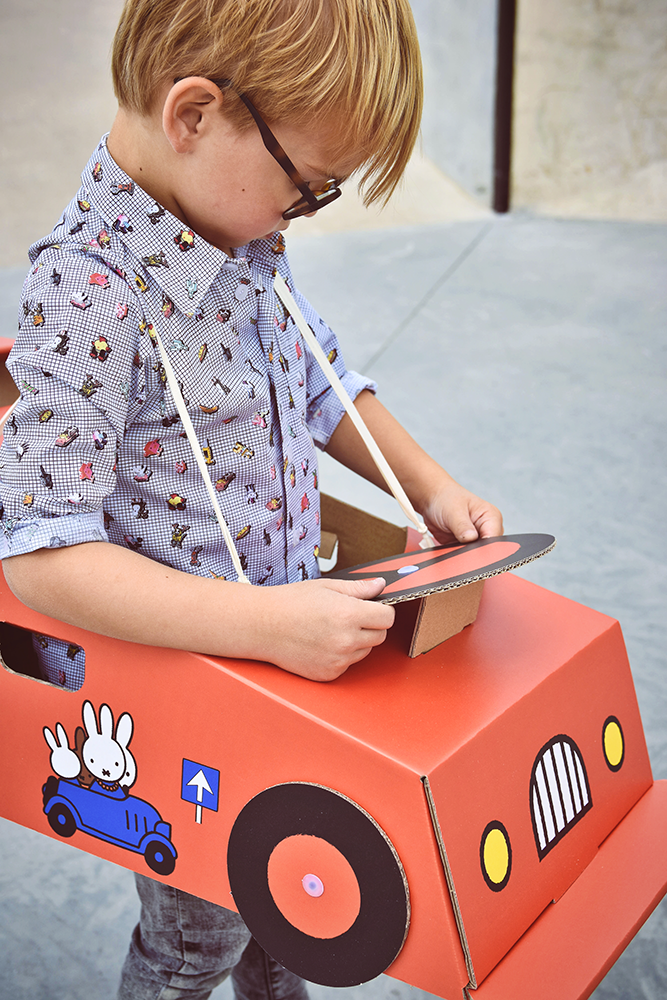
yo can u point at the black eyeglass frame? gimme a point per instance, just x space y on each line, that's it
312 201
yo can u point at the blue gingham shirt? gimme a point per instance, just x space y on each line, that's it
95 450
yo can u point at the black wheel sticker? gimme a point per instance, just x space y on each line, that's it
375 938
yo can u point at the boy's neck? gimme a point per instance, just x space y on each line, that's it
140 148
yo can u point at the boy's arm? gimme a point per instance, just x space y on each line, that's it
450 511
315 628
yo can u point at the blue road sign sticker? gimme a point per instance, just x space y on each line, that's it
200 785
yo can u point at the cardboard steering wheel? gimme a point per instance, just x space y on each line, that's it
446 567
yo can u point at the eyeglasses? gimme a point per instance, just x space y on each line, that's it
311 201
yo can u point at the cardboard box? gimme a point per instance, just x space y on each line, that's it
437 752
482 817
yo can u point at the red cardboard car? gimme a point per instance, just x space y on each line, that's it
479 820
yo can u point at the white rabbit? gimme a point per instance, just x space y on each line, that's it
102 754
130 775
64 761
124 731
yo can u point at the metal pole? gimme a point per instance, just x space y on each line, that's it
502 152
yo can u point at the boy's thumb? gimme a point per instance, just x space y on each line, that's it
363 590
462 527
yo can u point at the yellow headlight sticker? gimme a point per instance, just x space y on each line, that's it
495 855
613 743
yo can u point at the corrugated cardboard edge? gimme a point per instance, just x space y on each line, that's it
449 878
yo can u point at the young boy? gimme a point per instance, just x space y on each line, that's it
234 116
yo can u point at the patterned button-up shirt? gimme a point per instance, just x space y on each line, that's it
95 449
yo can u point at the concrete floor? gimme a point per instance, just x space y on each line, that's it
527 355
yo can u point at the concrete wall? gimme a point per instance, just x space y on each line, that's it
458 40
57 100
590 121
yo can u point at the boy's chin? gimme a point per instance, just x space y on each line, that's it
278 229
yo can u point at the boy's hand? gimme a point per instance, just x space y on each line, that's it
318 628
453 514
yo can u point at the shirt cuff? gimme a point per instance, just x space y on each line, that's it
50 533
326 410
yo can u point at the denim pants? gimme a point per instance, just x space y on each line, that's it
183 947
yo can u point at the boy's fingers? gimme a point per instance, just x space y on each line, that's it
462 527
363 590
469 525
374 636
375 616
491 524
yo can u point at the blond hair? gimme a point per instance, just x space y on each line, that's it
354 63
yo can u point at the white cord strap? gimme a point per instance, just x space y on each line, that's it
199 458
286 297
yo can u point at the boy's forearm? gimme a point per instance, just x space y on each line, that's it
315 628
113 591
450 512
419 475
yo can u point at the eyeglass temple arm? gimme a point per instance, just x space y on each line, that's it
273 146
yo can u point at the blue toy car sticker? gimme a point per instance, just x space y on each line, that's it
90 790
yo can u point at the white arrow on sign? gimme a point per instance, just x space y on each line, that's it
200 781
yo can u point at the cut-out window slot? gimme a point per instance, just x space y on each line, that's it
42 657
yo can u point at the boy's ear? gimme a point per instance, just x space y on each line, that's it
188 109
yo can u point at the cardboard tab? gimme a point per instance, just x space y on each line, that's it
444 614
328 542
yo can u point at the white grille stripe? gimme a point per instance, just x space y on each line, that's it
537 813
582 781
554 790
547 811
563 781
571 770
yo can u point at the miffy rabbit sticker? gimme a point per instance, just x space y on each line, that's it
104 753
92 790
99 754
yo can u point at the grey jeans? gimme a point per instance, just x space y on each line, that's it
183 947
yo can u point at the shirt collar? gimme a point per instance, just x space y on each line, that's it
182 263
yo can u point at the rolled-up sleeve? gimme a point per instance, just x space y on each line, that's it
324 409
73 365
28 534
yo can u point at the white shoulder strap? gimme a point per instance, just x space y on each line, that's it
199 458
286 297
